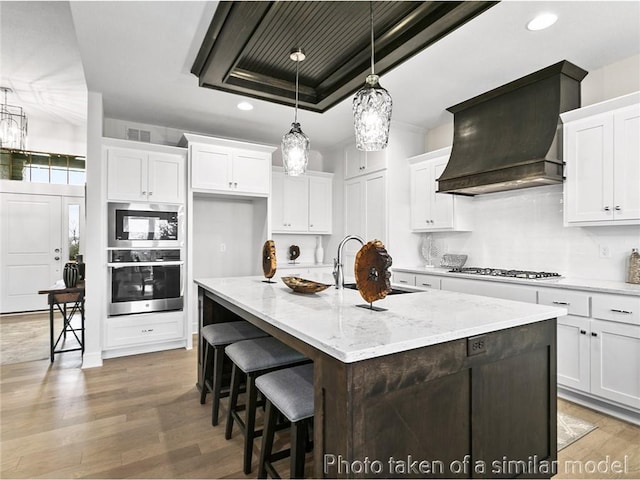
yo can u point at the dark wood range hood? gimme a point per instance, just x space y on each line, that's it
509 138
246 48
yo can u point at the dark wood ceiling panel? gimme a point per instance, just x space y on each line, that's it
246 49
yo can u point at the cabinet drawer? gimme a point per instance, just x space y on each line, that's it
577 303
619 308
134 330
404 278
427 281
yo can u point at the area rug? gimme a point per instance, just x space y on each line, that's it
571 429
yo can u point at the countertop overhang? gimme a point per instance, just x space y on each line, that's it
331 322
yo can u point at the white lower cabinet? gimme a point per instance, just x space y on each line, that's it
144 332
521 293
573 352
420 280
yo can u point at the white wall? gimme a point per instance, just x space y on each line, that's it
523 229
56 137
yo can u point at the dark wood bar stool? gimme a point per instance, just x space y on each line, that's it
290 392
215 338
254 358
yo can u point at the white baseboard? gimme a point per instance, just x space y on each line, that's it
627 414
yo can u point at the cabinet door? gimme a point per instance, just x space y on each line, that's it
296 204
441 203
166 178
520 293
277 202
374 161
615 362
126 174
354 161
375 207
626 169
428 281
573 352
251 172
589 184
320 204
420 196
211 167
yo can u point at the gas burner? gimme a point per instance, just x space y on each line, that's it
499 272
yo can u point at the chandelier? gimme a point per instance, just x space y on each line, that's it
295 144
372 109
13 124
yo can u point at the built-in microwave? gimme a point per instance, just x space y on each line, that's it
134 225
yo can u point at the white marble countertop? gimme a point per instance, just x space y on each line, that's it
331 322
569 283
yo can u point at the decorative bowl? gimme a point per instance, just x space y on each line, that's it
301 285
450 260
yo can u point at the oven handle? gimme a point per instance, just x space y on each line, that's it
144 264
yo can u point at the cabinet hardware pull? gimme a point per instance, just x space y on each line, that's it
402 281
617 207
594 334
230 183
561 303
311 225
583 332
57 250
150 193
606 209
426 284
621 311
56 258
144 193
235 184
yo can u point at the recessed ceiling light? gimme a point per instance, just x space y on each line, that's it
246 106
542 21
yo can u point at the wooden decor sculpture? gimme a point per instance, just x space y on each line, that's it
294 252
372 273
269 260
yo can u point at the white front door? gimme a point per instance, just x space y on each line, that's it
31 249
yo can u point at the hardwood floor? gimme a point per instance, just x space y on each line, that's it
140 417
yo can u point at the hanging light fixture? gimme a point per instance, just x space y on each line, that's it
372 108
295 144
13 124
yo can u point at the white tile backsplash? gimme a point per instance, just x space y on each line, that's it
524 229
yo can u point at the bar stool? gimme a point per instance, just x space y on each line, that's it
254 358
290 392
216 337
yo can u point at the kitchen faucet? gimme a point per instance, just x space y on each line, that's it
338 273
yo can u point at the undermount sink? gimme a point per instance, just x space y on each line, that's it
394 291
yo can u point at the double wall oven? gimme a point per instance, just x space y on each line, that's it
145 258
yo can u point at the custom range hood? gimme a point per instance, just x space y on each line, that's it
509 137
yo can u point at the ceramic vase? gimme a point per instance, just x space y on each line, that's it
319 252
70 275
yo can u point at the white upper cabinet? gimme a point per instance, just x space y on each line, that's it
301 204
602 152
144 174
228 166
432 211
357 162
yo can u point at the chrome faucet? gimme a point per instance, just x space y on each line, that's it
338 273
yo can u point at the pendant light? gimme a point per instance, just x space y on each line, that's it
372 109
295 144
13 124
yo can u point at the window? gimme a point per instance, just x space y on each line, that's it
39 167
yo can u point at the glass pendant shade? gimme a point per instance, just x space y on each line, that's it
295 144
13 125
372 116
295 151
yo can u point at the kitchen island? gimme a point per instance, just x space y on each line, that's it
442 384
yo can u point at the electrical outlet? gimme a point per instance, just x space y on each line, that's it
223 247
605 252
476 345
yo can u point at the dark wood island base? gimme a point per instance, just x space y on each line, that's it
476 407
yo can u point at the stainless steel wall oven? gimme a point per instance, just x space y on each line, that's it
145 280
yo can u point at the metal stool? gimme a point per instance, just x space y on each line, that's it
215 338
290 392
254 358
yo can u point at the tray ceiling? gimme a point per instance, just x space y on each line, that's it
246 48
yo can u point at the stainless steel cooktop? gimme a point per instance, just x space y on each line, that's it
500 272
